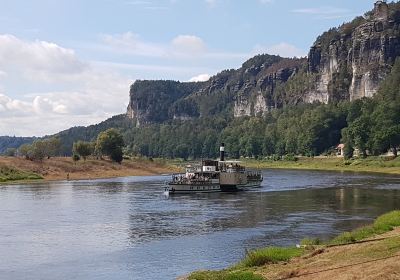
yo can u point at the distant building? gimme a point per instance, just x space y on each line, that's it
381 10
340 150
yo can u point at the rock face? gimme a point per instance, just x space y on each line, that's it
152 101
345 63
249 90
350 62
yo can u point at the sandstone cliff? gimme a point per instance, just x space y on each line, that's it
350 61
344 63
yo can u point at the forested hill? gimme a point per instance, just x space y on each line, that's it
9 142
346 90
344 64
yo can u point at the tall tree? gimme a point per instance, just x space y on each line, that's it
110 143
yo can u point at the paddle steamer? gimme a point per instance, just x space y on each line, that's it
214 176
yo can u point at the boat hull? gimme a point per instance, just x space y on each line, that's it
189 188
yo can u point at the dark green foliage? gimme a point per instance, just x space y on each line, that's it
270 255
374 124
41 149
327 38
156 98
13 174
24 150
184 108
110 143
261 59
76 157
11 152
83 149
13 142
90 133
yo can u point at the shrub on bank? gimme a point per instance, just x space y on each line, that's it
12 174
270 255
310 242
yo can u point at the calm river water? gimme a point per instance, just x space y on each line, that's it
125 228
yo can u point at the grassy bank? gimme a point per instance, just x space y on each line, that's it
13 174
370 164
62 168
367 253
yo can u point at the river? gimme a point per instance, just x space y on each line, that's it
125 228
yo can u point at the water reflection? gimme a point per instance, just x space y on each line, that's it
126 228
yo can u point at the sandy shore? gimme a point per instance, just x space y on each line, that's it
62 168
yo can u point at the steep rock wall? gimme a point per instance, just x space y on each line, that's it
350 62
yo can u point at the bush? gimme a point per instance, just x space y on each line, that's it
290 157
310 241
270 255
388 221
11 152
12 174
76 157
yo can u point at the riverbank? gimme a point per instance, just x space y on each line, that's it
371 164
62 168
371 252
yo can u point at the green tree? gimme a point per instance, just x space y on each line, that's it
38 151
386 132
53 146
24 150
110 143
348 143
11 152
84 149
76 157
359 131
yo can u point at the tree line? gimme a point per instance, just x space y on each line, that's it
108 143
372 125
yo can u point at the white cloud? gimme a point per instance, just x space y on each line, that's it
200 78
38 59
283 49
182 46
90 92
188 45
323 12
131 43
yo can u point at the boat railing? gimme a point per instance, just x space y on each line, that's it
181 179
254 175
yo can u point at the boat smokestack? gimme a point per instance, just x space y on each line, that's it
222 152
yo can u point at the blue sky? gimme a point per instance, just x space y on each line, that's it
66 63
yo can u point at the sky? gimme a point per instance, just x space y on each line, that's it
67 63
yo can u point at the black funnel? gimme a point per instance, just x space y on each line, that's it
222 152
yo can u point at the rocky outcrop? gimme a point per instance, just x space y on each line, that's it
345 63
351 61
249 90
151 101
